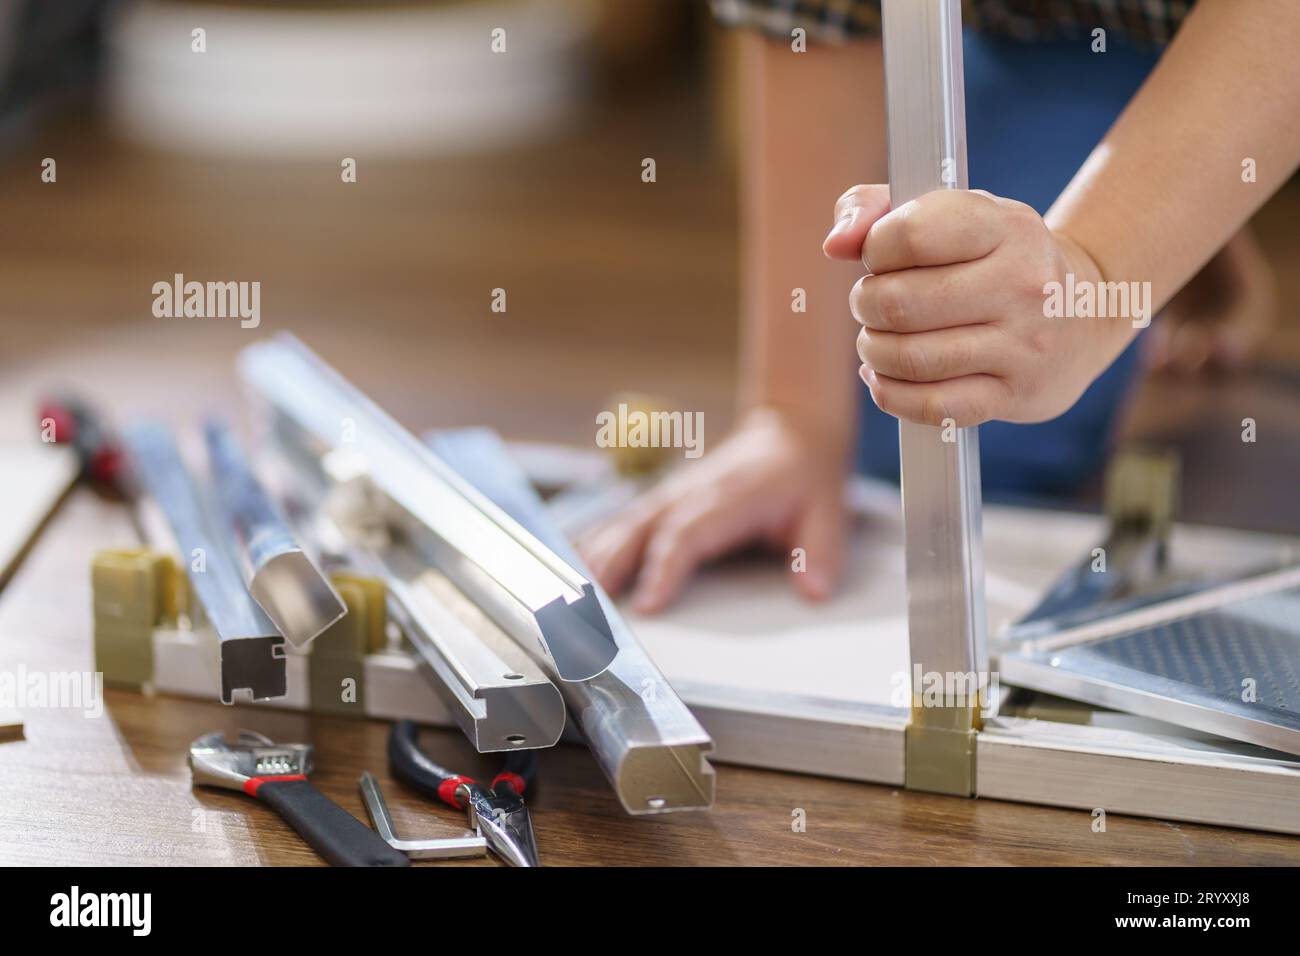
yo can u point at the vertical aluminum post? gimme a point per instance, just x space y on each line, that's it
940 466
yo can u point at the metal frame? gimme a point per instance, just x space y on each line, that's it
1148 615
1041 664
250 648
796 734
1133 771
1137 773
925 101
540 600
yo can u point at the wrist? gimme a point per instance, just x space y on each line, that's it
826 438
1109 333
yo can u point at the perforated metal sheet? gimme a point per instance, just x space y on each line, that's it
1253 648
1232 670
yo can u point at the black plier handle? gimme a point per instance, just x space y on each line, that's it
497 813
413 767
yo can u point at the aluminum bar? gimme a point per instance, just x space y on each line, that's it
939 466
250 649
498 695
297 598
650 746
538 599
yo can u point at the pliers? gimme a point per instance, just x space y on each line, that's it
497 812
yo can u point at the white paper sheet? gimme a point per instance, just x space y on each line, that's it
740 624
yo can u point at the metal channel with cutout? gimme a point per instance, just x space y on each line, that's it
540 600
250 648
498 695
279 574
651 748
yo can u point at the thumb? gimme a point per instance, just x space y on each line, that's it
855 213
820 534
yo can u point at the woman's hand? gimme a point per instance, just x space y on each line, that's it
954 313
774 480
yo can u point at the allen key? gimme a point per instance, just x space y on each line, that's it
441 848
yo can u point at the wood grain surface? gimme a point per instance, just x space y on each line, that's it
115 789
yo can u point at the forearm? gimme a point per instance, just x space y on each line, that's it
812 122
1164 190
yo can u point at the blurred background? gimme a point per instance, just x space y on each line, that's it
474 172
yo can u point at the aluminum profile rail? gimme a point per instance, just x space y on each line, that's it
498 695
297 598
925 102
538 599
649 745
250 648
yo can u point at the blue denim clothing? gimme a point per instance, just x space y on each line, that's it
1033 114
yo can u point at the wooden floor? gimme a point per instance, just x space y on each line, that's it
611 286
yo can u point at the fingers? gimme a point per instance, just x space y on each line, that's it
821 535
612 551
668 546
961 402
686 536
920 300
855 213
934 356
940 228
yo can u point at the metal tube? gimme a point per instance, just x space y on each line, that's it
498 695
939 466
541 601
250 648
650 746
298 599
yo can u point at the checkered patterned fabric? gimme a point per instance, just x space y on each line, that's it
1145 22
